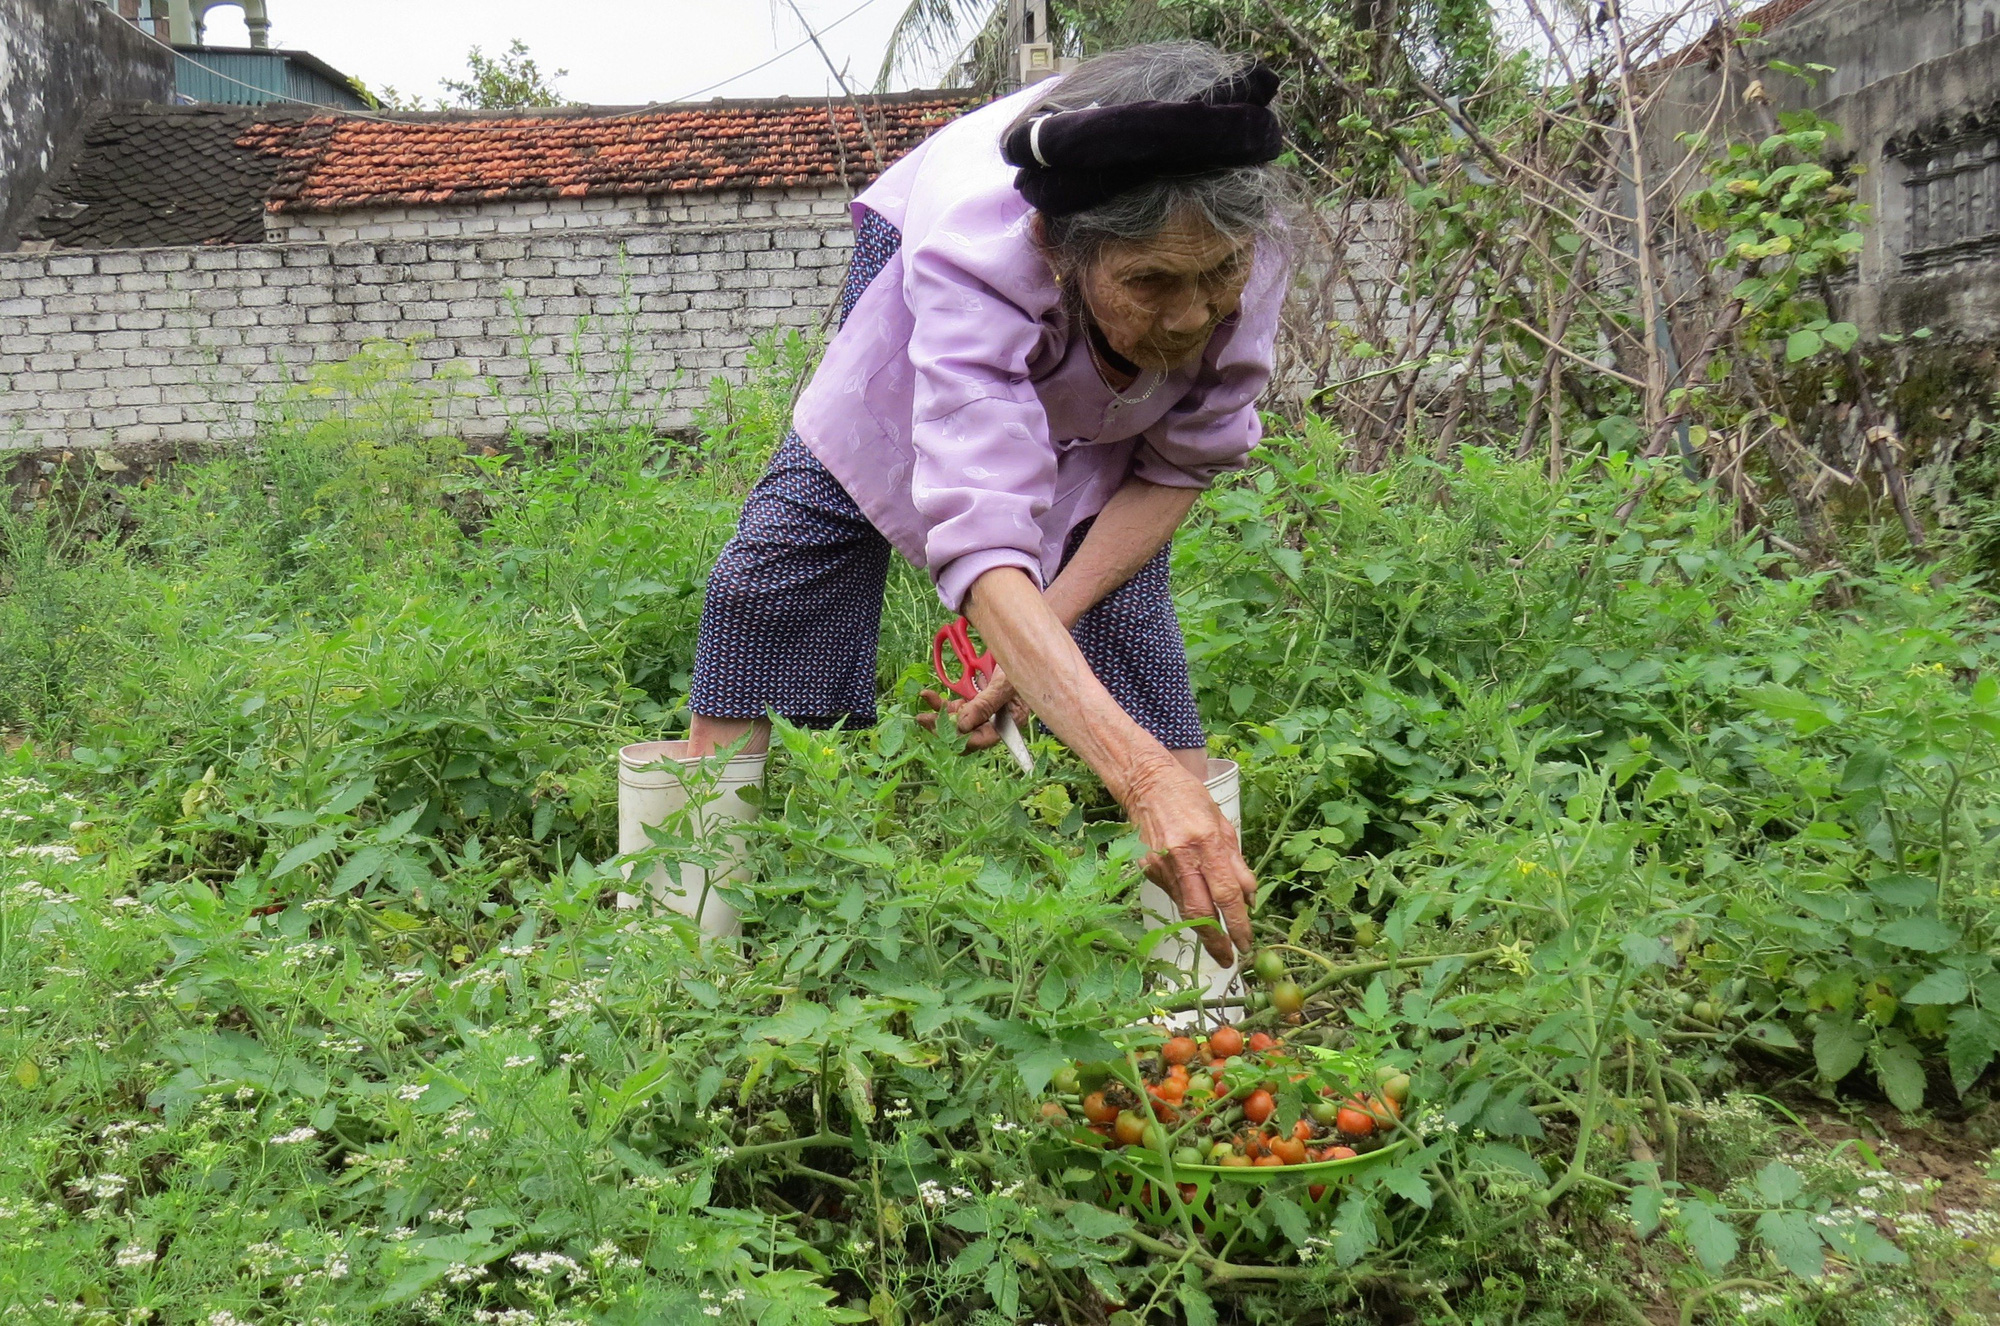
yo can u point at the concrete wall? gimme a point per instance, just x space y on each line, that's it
56 57
827 205
1899 65
139 346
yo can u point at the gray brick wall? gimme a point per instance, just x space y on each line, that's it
176 345
768 206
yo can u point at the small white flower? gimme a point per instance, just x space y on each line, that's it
296 1135
132 1255
412 1090
519 1061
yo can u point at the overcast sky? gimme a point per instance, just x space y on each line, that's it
627 52
618 52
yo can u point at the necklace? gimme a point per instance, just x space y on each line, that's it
1105 370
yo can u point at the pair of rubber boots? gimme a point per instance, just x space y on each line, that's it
659 779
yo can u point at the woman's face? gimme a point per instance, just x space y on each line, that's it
1157 301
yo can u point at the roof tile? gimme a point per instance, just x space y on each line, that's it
334 163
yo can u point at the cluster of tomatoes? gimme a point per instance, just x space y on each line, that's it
1215 1101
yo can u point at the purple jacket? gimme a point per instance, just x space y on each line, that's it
961 410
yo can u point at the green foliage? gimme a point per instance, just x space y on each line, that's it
511 80
1788 223
316 1007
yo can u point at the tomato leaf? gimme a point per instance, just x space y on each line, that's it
1946 985
1289 1218
1647 1202
1407 1181
1900 1070
1970 1046
311 849
1794 1241
1907 891
1511 1158
1197 1308
1711 1240
1838 1048
1859 1238
1922 933
1353 1230
1510 1117
1778 1183
1095 1223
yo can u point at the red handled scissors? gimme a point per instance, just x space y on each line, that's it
975 669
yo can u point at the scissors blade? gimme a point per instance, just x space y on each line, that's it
1017 745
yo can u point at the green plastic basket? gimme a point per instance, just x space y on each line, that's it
1151 1189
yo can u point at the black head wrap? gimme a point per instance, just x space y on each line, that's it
1073 160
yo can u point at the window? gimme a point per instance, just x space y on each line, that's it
1953 194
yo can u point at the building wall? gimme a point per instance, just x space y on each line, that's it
1897 65
56 57
820 206
133 346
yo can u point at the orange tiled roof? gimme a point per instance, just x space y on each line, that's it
1766 17
338 163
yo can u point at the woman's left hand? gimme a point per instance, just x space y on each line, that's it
974 717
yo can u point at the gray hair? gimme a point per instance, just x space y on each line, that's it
1244 202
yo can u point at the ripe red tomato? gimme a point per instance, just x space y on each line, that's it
1261 1041
1341 1153
1290 1150
1354 1121
1179 1050
1225 1043
1170 1091
1315 1191
1053 1112
1258 1106
1269 1160
1097 1109
1303 1130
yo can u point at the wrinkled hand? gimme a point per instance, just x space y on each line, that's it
974 717
1195 857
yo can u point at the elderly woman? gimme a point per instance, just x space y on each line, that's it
1058 320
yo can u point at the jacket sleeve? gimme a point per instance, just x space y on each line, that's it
985 468
1213 427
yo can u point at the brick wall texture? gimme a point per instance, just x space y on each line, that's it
132 346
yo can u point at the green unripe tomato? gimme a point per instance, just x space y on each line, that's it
1288 997
1397 1088
1366 932
1065 1080
1154 1138
1187 1155
1269 966
1325 1112
1703 1011
1220 1152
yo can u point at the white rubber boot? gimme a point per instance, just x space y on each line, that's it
655 779
1182 949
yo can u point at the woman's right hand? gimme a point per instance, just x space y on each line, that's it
1195 856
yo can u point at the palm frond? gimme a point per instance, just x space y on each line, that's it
929 29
